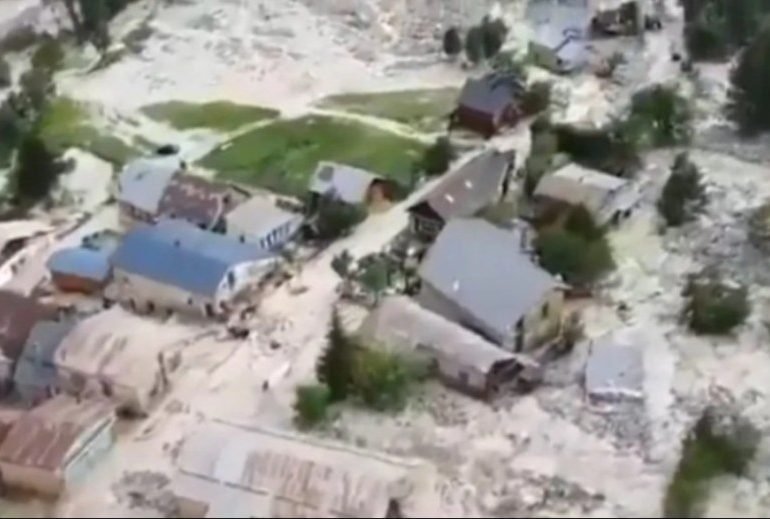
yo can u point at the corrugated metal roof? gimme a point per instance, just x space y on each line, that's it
81 262
197 200
179 254
482 269
345 182
36 367
490 94
472 187
49 436
18 314
258 216
142 182
577 185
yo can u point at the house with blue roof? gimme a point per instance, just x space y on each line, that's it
175 266
80 269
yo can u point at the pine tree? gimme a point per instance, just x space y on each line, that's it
683 195
336 367
748 103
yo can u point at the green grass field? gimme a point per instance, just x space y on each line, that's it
218 115
283 155
65 125
423 110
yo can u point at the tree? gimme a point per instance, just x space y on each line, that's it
662 114
536 98
438 156
383 379
577 260
453 42
683 195
36 171
341 263
493 36
336 218
336 366
474 45
311 405
580 223
375 277
49 55
36 87
5 73
713 307
748 104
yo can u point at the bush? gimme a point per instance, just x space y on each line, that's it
683 195
577 260
19 39
611 149
36 88
453 42
438 157
311 405
493 36
662 115
49 55
375 277
704 42
474 45
383 379
537 98
341 263
336 218
580 223
714 308
544 147
5 74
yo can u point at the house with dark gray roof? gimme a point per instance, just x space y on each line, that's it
480 182
36 376
489 103
198 201
479 276
142 183
177 266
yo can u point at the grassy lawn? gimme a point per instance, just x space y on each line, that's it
424 110
283 155
219 115
65 125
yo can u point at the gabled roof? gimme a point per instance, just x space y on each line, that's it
341 181
179 254
18 314
142 182
51 435
81 262
576 185
490 94
36 366
258 216
481 268
472 187
197 200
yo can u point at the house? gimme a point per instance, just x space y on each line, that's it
18 315
105 355
199 201
174 266
478 275
348 184
141 186
614 370
228 470
55 444
477 184
606 197
463 359
261 222
489 103
80 269
560 50
36 378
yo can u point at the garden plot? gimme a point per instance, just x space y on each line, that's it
217 115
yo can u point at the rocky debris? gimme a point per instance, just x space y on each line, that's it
147 491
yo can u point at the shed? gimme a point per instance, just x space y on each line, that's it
80 269
615 368
489 103
55 444
477 275
559 49
347 184
227 470
463 359
259 220
476 184
606 197
36 378
176 266
142 183
199 201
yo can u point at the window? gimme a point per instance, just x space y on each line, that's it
545 311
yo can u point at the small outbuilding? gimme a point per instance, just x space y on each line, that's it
80 269
260 221
348 184
560 50
489 103
462 359
606 197
55 444
615 369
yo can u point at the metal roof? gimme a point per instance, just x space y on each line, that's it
482 269
577 185
36 365
142 182
258 216
490 94
51 435
81 262
197 200
615 366
18 314
179 254
18 229
341 181
472 187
